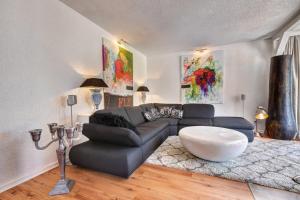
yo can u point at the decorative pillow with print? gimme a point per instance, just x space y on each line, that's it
155 113
177 114
152 115
166 111
149 116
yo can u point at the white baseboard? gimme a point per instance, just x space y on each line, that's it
27 177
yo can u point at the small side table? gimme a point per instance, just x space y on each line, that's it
83 118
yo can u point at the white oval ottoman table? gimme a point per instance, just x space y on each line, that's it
213 143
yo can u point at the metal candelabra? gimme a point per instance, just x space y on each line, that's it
64 185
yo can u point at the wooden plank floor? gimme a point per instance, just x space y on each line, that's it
149 182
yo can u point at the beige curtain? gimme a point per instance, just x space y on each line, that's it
292 48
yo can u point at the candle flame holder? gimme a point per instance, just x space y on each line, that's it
58 132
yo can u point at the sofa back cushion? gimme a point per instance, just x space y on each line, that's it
112 135
173 105
115 111
110 119
147 107
198 111
135 115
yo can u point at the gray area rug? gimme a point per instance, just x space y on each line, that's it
266 193
271 163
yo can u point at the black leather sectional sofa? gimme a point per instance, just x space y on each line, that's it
120 151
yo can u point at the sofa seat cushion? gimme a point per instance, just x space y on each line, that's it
196 122
170 121
158 124
108 158
233 123
149 129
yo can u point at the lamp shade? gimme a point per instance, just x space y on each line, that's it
94 82
261 113
71 100
142 89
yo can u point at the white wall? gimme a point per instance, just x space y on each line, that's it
246 70
45 50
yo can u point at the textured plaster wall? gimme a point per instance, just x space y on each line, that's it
246 71
46 51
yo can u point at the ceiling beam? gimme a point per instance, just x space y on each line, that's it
293 23
284 40
283 35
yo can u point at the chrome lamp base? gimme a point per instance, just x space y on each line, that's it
63 186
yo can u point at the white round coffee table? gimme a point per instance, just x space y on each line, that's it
213 143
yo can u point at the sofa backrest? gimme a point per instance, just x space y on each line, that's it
115 111
147 107
174 105
135 115
198 111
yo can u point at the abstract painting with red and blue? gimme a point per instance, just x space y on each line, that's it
204 75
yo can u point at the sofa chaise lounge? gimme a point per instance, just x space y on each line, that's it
120 151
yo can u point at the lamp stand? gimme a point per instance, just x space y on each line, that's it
71 115
243 108
144 97
96 97
257 132
243 98
256 129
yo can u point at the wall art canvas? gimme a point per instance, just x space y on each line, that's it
204 76
117 69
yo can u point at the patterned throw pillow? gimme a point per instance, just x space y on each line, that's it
177 114
152 115
166 111
149 116
155 113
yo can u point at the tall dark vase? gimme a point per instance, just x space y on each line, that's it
281 123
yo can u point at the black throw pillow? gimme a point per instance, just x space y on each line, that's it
110 119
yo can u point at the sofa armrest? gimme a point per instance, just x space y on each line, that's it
110 134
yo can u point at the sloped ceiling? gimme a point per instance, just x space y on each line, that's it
162 26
